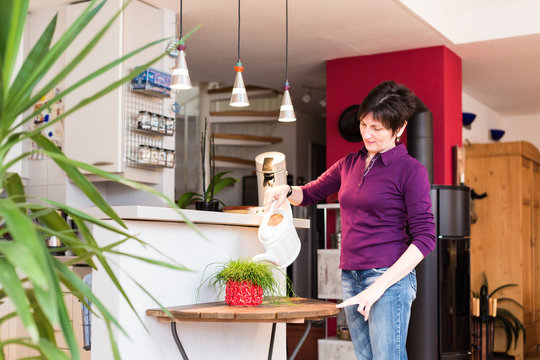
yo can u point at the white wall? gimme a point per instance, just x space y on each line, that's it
524 127
486 119
517 128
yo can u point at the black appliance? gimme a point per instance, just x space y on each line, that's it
440 315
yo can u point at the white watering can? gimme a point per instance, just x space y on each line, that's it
278 237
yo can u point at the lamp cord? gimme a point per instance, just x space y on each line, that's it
238 30
180 22
286 40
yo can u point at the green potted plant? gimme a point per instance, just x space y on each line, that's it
206 199
246 282
30 276
504 318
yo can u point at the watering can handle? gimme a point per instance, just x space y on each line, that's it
270 210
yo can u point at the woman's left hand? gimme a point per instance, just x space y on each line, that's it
364 300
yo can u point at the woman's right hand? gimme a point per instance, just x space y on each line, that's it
278 193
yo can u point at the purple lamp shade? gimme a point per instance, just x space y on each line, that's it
496 134
468 118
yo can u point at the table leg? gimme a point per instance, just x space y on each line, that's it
301 342
177 341
271 349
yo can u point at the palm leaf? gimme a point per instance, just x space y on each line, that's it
36 54
98 94
17 99
502 287
65 321
12 20
132 184
75 175
508 330
228 181
12 286
75 284
517 323
14 187
23 232
504 299
52 352
56 225
187 198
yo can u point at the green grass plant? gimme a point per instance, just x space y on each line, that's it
264 274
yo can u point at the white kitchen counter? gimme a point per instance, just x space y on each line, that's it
196 216
226 236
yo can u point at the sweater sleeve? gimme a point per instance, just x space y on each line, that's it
325 185
419 214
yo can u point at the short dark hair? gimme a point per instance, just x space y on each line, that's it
390 103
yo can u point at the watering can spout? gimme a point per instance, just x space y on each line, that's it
267 256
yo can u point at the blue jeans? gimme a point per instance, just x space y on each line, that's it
384 335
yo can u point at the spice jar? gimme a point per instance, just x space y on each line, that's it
154 122
154 156
143 154
162 160
143 120
170 158
162 124
169 127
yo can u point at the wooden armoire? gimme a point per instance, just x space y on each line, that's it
505 237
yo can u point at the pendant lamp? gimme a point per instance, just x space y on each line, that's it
239 96
286 111
180 77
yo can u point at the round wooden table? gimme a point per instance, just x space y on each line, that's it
291 310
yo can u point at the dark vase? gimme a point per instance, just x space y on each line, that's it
207 205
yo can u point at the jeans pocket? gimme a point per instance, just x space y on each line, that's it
379 271
412 280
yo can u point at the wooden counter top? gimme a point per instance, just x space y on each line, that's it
154 213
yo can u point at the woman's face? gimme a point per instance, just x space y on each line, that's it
377 138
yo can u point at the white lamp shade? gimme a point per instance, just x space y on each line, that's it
180 77
286 111
239 96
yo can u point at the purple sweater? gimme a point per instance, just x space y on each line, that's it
376 208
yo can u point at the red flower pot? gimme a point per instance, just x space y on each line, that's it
243 293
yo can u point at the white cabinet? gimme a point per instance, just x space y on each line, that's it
96 134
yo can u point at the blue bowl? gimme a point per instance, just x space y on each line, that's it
468 118
496 134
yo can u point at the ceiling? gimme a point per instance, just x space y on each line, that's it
503 74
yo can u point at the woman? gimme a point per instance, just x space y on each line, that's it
382 189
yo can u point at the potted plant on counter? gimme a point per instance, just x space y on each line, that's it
246 282
206 200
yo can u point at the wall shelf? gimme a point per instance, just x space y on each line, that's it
242 116
233 162
244 140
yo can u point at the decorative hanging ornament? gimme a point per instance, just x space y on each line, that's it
180 76
239 96
286 111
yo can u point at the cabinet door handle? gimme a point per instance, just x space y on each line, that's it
102 163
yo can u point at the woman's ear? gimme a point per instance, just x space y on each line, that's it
400 131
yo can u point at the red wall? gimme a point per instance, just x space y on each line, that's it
433 74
